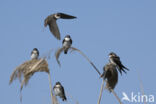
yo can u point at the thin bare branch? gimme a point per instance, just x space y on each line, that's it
26 70
53 98
57 55
142 88
75 49
101 90
116 96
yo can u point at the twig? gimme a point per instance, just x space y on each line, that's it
87 59
101 90
50 85
142 89
116 96
53 98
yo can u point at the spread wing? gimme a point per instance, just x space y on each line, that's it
57 55
75 49
52 26
54 29
66 16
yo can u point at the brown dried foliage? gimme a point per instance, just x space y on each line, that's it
27 69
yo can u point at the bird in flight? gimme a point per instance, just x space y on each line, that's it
59 91
113 58
51 22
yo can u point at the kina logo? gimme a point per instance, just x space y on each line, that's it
138 98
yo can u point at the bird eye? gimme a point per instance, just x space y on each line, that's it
58 15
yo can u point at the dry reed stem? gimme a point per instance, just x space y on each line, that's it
142 89
60 50
101 90
75 49
57 55
26 70
53 98
116 96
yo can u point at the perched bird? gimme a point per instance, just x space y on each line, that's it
35 53
59 91
67 42
113 58
66 45
27 69
111 74
51 22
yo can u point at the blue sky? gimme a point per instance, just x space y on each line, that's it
126 27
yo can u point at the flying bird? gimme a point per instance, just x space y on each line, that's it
35 53
59 91
51 22
111 74
113 58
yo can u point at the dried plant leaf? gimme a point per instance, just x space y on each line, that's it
18 72
75 49
27 69
57 55
60 50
